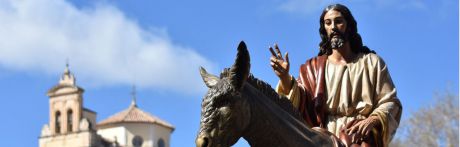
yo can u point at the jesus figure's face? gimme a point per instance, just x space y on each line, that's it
336 26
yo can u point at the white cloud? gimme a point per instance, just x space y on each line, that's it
303 6
401 5
310 6
103 45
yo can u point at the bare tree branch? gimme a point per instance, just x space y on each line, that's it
432 126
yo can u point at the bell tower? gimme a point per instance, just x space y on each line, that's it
70 124
65 105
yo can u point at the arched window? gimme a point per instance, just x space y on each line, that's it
57 122
161 143
69 120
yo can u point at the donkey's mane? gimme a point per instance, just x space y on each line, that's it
281 100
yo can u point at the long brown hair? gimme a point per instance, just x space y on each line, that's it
351 32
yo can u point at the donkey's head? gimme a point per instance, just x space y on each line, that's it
225 113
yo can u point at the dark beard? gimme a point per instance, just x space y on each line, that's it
337 42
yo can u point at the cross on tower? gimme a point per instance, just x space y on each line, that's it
133 94
66 70
67 62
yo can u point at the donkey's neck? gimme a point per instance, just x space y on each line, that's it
261 133
270 125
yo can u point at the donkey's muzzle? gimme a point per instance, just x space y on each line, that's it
202 142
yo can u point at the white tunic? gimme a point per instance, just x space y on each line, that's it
358 90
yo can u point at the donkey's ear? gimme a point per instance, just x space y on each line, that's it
209 80
240 69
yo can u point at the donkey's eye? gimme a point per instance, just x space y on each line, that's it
224 110
221 103
222 100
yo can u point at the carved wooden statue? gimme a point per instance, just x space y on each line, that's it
239 105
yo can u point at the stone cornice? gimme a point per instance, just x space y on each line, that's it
75 89
68 133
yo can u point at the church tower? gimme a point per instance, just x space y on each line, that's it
65 105
70 124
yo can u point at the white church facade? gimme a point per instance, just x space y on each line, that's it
73 125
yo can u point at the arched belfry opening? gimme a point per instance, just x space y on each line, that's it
58 123
69 120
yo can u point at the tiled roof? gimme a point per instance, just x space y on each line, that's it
134 114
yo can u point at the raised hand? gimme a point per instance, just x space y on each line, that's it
280 66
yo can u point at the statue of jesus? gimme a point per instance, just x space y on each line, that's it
347 88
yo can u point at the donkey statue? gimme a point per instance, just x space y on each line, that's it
239 105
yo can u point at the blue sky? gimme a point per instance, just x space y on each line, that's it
159 45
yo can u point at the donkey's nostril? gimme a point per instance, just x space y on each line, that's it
202 142
206 142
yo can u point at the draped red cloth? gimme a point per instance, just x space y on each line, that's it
312 91
312 106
